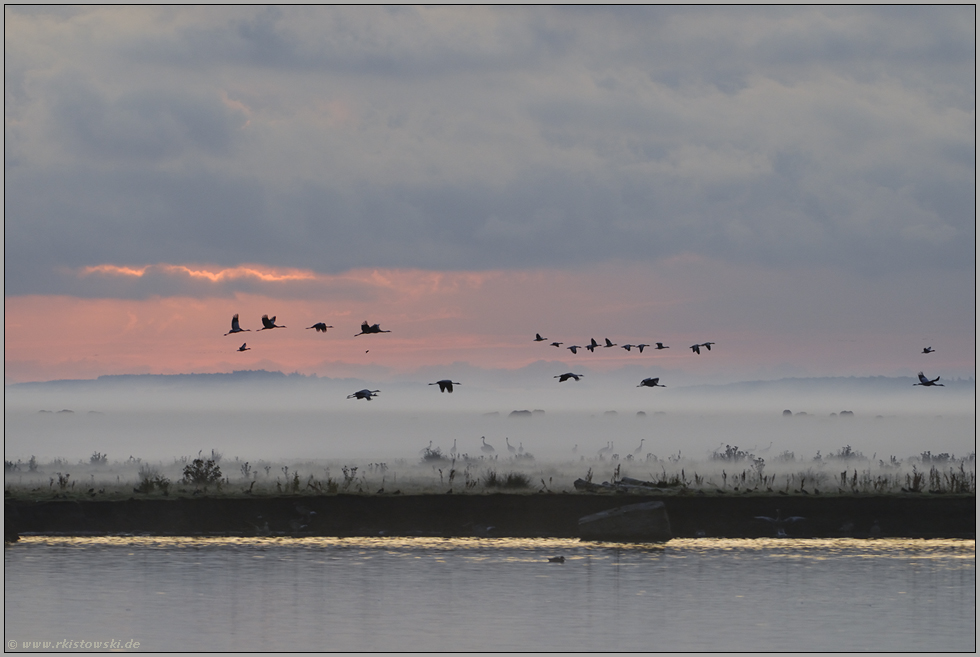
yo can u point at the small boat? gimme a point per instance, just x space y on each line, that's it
646 521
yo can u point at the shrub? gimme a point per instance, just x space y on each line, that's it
516 480
202 472
150 479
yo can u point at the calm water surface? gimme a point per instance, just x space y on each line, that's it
398 594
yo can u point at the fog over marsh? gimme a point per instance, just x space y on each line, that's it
289 420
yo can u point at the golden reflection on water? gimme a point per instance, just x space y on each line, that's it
790 548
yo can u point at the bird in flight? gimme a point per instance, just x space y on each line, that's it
591 347
640 347
269 323
364 394
707 345
627 347
243 347
779 521
235 328
320 327
566 376
557 344
445 385
370 328
609 343
538 338
928 350
651 383
660 345
923 381
696 348
574 348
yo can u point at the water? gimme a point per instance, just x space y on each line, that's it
426 594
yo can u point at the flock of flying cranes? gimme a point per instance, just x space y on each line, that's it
446 385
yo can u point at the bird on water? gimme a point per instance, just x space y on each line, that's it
556 559
446 385
235 328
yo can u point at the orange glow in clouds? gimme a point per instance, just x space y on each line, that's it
214 276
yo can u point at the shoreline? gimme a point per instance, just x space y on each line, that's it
495 515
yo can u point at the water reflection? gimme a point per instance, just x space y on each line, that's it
396 593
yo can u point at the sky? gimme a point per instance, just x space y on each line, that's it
795 184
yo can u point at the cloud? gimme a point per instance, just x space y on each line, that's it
326 139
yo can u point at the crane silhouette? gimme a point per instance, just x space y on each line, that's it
320 327
235 328
574 348
660 345
367 329
446 385
364 394
923 381
538 338
609 343
486 448
696 348
651 383
640 347
591 347
707 345
566 376
269 323
639 449
510 448
627 347
779 522
243 347
557 344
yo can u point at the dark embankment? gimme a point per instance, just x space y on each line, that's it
545 515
